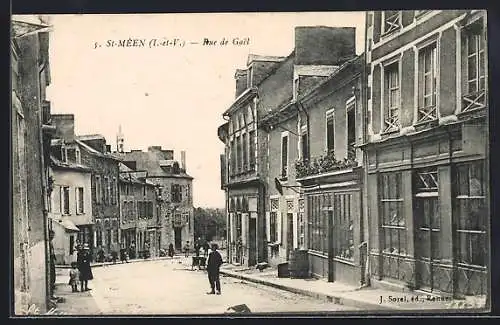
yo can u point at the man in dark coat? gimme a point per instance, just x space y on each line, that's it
83 263
213 266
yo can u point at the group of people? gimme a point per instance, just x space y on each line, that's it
81 272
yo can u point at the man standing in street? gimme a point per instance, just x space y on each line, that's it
52 262
213 266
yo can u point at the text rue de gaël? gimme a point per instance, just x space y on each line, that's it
171 42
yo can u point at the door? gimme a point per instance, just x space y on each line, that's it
178 238
289 234
252 241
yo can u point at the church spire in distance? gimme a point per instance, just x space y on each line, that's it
119 140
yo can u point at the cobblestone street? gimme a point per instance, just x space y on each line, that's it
171 287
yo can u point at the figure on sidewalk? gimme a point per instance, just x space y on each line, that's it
186 249
100 255
74 277
52 262
171 251
213 269
84 267
123 255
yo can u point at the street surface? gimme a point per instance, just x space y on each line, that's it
171 287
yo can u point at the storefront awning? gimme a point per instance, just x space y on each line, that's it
68 225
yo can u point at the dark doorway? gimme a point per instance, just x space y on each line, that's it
252 238
178 238
289 234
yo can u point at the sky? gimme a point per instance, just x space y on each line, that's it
170 96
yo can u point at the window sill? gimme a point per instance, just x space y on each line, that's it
392 32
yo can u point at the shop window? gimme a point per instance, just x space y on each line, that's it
318 213
393 220
273 222
344 226
471 213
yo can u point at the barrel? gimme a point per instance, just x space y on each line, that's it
298 264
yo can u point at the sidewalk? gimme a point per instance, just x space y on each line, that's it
74 303
369 299
137 260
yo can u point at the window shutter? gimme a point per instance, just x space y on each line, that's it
244 219
76 201
61 199
268 226
279 225
231 226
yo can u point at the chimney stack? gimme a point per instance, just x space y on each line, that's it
65 126
183 160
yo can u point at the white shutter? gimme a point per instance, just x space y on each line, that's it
279 225
231 226
244 219
268 226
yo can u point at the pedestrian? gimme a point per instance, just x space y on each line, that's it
123 255
52 262
171 251
100 255
213 269
186 249
84 267
206 247
74 277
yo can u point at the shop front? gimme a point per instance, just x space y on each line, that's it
334 222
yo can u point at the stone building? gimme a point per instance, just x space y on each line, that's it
70 209
427 150
140 224
261 140
30 139
174 192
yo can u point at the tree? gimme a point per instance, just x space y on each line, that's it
209 223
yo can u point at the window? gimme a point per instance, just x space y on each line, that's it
391 21
474 67
245 151
238 154
63 154
149 209
105 190
98 189
273 222
65 199
284 155
393 221
71 155
301 228
351 129
426 213
233 158
391 98
112 191
471 213
295 88
344 226
71 244
251 150
427 74
304 143
79 200
330 131
176 193
318 212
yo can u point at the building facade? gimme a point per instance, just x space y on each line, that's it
140 224
70 208
30 139
174 193
427 150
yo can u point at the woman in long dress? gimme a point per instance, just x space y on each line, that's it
83 263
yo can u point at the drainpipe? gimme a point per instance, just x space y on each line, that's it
44 181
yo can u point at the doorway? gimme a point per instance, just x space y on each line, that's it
178 238
252 238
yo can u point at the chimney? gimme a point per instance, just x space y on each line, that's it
154 148
183 160
322 45
241 81
65 126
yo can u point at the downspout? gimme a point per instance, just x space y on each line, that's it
365 213
228 216
44 177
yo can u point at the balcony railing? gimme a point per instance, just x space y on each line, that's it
323 164
475 100
426 114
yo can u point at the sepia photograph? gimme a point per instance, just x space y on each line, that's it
252 163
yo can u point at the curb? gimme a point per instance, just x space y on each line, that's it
337 299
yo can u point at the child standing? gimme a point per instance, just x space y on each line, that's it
74 277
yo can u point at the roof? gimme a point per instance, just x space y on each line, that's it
68 165
268 58
150 162
87 137
97 153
